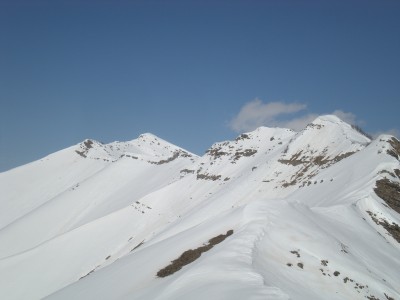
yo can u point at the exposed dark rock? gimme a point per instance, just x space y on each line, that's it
393 229
247 152
243 136
138 245
388 297
342 156
295 252
294 160
187 171
164 161
300 265
191 255
395 151
207 176
389 191
88 144
216 152
81 153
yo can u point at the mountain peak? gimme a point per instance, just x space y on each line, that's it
148 135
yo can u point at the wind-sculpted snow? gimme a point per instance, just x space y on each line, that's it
312 213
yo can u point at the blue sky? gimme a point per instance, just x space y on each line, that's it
191 72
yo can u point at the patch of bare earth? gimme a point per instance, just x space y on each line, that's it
191 255
389 191
393 229
395 151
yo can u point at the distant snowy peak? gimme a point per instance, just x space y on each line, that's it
146 147
332 123
328 118
328 136
388 144
262 137
324 142
295 157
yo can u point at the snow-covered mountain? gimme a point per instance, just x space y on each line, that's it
274 214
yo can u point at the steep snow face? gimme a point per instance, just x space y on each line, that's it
304 208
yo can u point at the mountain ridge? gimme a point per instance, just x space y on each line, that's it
303 208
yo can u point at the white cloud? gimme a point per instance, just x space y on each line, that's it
257 113
348 117
299 123
394 132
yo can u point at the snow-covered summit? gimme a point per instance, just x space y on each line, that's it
145 146
328 118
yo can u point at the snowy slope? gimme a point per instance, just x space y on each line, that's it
99 221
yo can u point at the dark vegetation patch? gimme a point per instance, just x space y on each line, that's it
393 229
389 191
397 172
324 262
289 264
395 151
336 273
191 255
